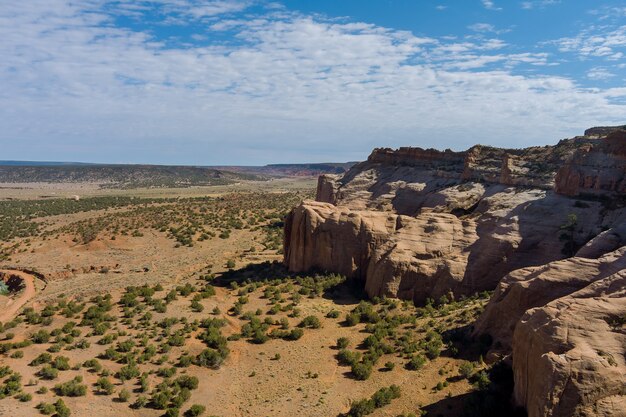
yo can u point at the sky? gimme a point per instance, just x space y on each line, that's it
252 82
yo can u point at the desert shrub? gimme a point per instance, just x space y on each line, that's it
128 372
389 366
61 409
294 334
333 314
362 370
433 345
25 397
41 336
352 319
196 306
416 362
380 398
186 381
166 372
195 410
18 354
41 359
160 400
105 385
73 388
124 395
482 381
311 322
210 358
347 357
62 363
12 385
466 369
93 365
140 402
46 408
172 412
48 372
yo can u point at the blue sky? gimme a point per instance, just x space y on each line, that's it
218 82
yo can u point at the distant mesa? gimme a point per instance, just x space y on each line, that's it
153 176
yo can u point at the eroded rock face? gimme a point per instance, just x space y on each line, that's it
532 287
394 255
568 356
596 168
545 225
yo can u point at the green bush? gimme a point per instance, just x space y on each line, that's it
46 408
73 388
105 385
209 358
347 357
466 369
195 410
333 314
61 409
124 395
41 336
362 370
382 397
343 342
48 372
41 359
311 322
416 362
61 363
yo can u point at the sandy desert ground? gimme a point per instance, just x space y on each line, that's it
274 377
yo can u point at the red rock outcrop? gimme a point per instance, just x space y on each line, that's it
568 356
532 287
415 223
596 168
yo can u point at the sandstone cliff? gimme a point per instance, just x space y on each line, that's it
568 356
544 226
417 223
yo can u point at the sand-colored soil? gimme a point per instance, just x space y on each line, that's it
13 306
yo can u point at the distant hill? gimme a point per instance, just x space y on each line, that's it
294 170
154 176
120 176
42 163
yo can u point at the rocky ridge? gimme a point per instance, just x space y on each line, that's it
543 226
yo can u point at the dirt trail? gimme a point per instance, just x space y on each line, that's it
14 305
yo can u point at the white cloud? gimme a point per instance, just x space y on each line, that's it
291 88
482 27
527 5
596 42
486 28
490 5
599 73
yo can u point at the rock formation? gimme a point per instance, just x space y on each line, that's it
527 288
568 356
417 223
543 226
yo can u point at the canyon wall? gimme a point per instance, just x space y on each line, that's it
543 226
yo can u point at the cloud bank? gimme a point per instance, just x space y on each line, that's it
250 83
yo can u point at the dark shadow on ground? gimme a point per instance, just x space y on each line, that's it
347 292
493 401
